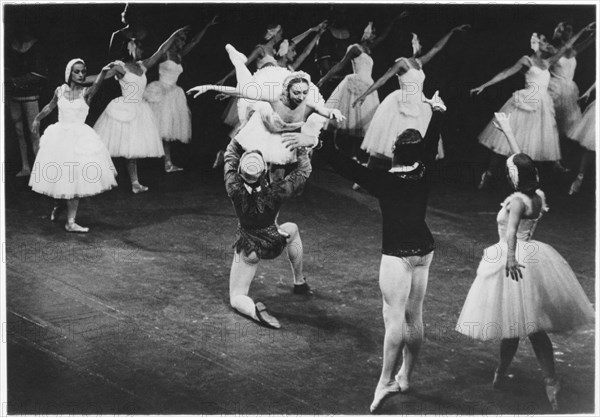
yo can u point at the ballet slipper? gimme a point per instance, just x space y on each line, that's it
560 168
172 168
56 210
381 393
402 381
73 227
576 185
265 318
138 188
235 55
553 387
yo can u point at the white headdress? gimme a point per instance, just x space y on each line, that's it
283 48
296 75
70 67
367 32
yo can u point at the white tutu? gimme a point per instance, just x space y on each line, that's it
396 113
72 162
357 118
565 94
584 132
173 116
548 297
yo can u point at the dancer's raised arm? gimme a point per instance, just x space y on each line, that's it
569 44
162 50
351 53
523 62
387 30
106 72
399 67
194 41
299 38
441 43
308 48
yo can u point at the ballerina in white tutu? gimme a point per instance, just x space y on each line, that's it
283 104
584 132
403 109
562 88
168 100
128 126
353 85
532 109
72 162
508 303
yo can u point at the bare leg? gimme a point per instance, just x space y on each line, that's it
508 348
31 109
414 321
71 226
169 167
586 159
544 352
136 187
16 114
295 251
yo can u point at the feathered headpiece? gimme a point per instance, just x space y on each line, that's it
367 32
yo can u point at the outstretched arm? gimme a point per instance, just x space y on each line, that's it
320 108
399 67
520 64
162 50
441 43
260 94
568 45
307 50
300 37
35 125
106 72
587 94
194 41
387 30
352 53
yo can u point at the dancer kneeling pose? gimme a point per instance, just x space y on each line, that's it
507 303
257 201
407 244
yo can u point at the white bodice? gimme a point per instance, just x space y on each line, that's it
526 226
169 72
71 111
412 80
537 78
564 68
133 85
362 65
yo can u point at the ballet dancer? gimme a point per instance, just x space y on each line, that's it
584 132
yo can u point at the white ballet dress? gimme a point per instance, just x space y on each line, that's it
349 89
127 126
262 126
72 161
584 132
169 104
532 120
565 94
403 109
548 298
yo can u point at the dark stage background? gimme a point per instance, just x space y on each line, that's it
498 38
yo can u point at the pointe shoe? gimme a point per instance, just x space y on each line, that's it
75 228
402 382
138 188
235 55
576 185
265 318
381 395
24 173
172 168
56 210
500 380
553 387
485 180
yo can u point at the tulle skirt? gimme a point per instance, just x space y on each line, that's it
357 118
173 116
565 94
72 162
548 298
584 132
128 129
396 113
533 124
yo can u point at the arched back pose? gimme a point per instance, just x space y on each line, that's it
507 302
284 103
584 132
562 88
403 109
168 100
72 161
128 126
407 247
353 85
257 201
532 109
